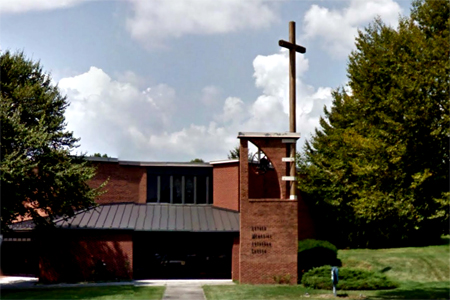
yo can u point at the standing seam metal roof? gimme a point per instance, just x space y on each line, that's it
154 217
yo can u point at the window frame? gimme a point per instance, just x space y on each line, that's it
195 172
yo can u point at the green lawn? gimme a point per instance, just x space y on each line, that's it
422 272
97 293
268 292
407 290
421 264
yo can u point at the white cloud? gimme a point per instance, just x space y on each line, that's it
120 119
154 21
21 6
233 110
210 95
336 29
111 116
130 77
271 75
208 142
270 112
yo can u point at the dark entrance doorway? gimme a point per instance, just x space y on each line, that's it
182 255
19 255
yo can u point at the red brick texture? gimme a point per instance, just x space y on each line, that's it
235 259
268 227
126 183
226 185
85 256
263 186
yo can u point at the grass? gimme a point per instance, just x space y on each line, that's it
408 290
255 292
421 264
422 272
98 293
417 290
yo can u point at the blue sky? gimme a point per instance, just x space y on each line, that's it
175 80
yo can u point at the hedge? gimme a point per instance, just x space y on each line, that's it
315 253
349 279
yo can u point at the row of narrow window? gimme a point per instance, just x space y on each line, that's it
178 189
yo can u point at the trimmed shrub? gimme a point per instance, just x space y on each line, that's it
315 253
349 279
311 243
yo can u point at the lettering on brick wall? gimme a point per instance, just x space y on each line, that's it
259 228
261 236
261 240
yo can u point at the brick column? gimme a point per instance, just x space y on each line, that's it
268 227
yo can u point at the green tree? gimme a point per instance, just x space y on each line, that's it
100 155
39 178
234 154
379 164
197 160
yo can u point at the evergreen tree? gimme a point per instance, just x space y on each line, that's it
378 166
234 153
39 178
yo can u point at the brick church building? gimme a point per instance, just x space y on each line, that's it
230 219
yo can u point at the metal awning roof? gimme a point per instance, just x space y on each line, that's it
154 217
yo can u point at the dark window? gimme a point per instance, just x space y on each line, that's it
152 188
189 189
177 191
165 189
201 189
179 185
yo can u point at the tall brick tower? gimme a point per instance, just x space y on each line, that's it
268 221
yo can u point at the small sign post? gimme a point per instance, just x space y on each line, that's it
334 278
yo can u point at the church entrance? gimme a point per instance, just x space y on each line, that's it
182 255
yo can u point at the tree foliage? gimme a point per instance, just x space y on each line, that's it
235 154
197 160
39 177
377 170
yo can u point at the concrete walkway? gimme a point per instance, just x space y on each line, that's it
186 289
175 289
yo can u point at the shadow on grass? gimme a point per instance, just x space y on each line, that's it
415 290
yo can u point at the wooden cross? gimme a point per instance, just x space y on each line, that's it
293 48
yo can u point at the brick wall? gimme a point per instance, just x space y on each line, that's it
268 241
268 227
263 185
85 256
235 259
226 185
126 183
